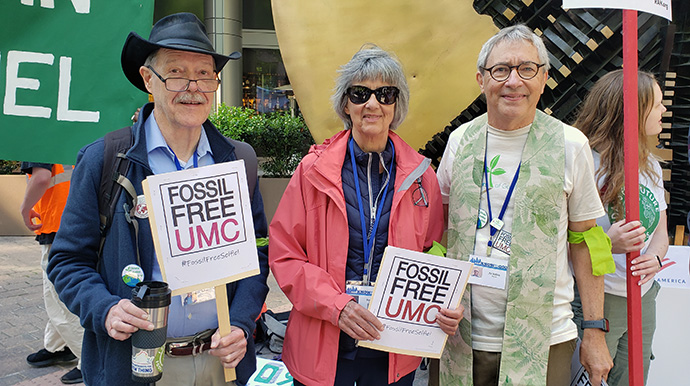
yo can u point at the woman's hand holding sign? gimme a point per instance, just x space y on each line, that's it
357 322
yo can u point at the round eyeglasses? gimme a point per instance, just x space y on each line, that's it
182 84
525 70
386 95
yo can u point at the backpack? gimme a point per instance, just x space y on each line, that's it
270 331
116 166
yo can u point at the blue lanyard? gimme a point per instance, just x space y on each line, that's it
497 226
177 161
368 240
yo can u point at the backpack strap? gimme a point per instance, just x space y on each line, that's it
246 152
115 167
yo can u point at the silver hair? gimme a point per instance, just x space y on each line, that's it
151 59
512 34
371 63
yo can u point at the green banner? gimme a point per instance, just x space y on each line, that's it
61 75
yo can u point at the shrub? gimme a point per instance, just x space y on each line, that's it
280 137
238 123
9 167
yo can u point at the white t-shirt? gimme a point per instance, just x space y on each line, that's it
652 203
504 153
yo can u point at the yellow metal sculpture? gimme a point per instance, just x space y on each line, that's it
436 41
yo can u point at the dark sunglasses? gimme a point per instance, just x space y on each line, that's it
386 95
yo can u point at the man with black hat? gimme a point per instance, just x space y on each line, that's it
179 67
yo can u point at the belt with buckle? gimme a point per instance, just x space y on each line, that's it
191 345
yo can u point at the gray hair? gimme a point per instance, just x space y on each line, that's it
371 63
513 34
151 59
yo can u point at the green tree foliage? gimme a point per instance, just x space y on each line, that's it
279 137
9 167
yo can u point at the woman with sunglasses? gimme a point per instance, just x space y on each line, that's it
350 197
601 119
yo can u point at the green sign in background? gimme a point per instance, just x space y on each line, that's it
71 50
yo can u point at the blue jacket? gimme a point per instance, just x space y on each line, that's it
90 289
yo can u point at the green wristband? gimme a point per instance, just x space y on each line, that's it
599 245
262 241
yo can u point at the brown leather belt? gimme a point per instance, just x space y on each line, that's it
192 345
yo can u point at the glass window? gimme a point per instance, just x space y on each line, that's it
256 14
265 84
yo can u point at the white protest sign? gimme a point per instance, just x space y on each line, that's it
201 220
675 272
655 7
411 288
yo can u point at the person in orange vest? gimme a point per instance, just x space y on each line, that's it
41 210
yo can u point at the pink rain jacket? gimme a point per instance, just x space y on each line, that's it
308 251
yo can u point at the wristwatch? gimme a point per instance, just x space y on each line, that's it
602 324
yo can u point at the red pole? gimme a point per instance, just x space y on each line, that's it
632 193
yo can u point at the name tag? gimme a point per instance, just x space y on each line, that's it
199 296
361 293
489 272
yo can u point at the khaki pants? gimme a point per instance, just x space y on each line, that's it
63 327
616 310
202 370
487 365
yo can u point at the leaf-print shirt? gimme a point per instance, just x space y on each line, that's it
504 152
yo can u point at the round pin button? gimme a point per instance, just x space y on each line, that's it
132 274
482 219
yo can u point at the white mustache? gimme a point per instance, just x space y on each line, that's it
190 97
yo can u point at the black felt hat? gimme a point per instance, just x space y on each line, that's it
180 31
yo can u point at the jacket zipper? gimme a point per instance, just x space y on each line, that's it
373 206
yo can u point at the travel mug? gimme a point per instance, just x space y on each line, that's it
148 347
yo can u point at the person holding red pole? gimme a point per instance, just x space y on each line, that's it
601 120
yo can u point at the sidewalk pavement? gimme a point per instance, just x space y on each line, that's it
23 317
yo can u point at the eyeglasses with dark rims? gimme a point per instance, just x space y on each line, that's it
182 84
386 95
525 70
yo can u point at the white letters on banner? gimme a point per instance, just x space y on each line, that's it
655 7
80 6
14 82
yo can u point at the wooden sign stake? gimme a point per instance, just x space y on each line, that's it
224 322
